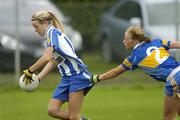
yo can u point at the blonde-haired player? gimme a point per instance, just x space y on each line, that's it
153 58
75 82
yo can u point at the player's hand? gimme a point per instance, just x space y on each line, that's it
28 73
95 78
27 80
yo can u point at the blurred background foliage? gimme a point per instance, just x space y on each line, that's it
85 16
81 1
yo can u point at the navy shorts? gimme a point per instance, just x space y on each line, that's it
172 87
73 84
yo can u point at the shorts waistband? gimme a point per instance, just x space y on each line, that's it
67 76
173 72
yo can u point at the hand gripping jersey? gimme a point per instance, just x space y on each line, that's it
153 58
64 54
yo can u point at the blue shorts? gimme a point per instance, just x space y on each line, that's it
73 84
172 87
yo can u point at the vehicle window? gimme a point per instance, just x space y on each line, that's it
26 9
31 6
7 12
128 10
165 15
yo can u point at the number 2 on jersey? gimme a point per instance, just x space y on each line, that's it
157 54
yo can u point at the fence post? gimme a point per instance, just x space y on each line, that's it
17 51
177 27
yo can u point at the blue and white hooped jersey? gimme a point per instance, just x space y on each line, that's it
68 62
153 58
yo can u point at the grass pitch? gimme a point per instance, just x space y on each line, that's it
131 96
102 103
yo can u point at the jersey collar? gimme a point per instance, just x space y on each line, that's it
137 45
49 27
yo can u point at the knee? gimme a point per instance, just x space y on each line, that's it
169 117
52 112
166 115
74 117
165 118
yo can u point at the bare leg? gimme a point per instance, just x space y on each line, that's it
75 104
54 109
170 107
178 111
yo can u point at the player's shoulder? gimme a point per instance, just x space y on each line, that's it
53 31
156 42
159 41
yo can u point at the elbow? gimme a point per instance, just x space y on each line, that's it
115 73
47 58
175 45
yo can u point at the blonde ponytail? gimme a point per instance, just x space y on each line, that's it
56 22
44 15
137 33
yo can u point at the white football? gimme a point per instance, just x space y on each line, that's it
31 86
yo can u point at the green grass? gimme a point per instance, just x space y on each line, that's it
116 103
131 96
102 103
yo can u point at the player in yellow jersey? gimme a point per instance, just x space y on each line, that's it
153 58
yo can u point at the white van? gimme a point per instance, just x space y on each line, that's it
31 43
157 17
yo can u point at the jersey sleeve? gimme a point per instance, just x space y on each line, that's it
128 63
166 44
52 38
48 42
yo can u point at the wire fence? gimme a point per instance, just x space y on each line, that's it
86 19
96 24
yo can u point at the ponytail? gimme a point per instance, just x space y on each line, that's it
137 33
56 22
44 15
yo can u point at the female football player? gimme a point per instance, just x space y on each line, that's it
59 51
153 58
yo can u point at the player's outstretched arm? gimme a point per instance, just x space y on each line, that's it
175 45
109 74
